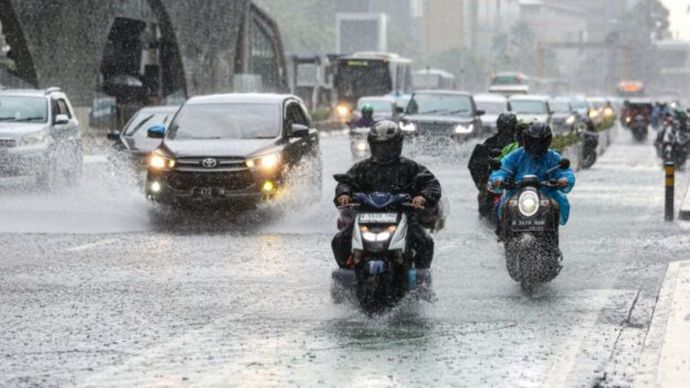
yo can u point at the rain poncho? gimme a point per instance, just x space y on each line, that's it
519 163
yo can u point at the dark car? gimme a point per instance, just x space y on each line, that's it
232 148
442 114
563 115
133 138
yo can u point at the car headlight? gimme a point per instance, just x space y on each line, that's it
267 162
33 138
408 127
464 130
343 110
570 120
593 114
159 161
608 112
528 203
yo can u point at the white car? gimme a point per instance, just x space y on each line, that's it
531 107
492 105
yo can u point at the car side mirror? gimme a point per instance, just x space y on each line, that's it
299 130
156 132
113 136
61 119
495 164
564 164
481 112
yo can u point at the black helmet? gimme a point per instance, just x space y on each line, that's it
385 141
506 123
520 128
537 139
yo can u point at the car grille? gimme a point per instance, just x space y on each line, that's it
223 164
8 143
434 128
231 181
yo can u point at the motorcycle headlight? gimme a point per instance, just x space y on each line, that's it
593 114
343 110
608 112
361 146
528 203
628 119
377 237
267 162
33 138
160 161
408 127
464 130
570 120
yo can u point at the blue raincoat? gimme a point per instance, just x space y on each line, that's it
519 163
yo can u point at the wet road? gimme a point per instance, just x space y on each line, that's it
94 294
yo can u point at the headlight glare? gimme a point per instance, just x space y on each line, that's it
160 162
570 120
266 162
408 127
464 130
528 203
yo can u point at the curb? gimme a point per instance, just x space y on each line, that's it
665 359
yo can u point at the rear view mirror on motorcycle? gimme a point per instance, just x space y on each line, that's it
495 164
564 164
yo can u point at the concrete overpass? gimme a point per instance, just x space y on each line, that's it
141 52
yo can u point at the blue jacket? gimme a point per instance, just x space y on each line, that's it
519 163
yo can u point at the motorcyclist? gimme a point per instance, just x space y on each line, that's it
520 128
367 119
387 171
482 155
535 158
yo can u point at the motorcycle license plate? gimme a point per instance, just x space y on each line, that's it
378 218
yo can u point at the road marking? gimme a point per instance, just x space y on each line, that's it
566 357
96 244
665 360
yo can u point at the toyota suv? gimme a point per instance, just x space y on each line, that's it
39 135
232 149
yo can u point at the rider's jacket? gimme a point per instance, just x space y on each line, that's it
401 176
519 163
363 122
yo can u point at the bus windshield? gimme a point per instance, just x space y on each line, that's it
359 78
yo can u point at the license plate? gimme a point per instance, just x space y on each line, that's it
378 218
208 191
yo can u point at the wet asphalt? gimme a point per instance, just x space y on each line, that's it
96 292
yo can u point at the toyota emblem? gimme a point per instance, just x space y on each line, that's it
209 163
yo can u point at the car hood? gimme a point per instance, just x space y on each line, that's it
530 117
489 119
439 119
218 148
17 130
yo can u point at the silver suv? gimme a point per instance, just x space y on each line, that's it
39 135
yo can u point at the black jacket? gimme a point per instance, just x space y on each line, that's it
404 176
479 161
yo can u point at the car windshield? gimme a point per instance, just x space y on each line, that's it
492 107
559 106
141 122
226 121
528 106
579 104
440 104
23 109
380 107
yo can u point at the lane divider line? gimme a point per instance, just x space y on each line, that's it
86 247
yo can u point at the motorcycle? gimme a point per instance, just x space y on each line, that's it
529 230
674 144
639 127
590 142
381 269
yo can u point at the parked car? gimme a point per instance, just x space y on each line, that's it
492 105
530 107
438 113
133 141
232 149
39 135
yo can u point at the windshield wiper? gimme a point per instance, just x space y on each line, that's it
7 118
29 119
433 111
455 112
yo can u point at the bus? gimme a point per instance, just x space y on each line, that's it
433 79
369 74
510 83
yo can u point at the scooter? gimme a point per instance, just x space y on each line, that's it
381 269
674 144
590 142
529 230
639 127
